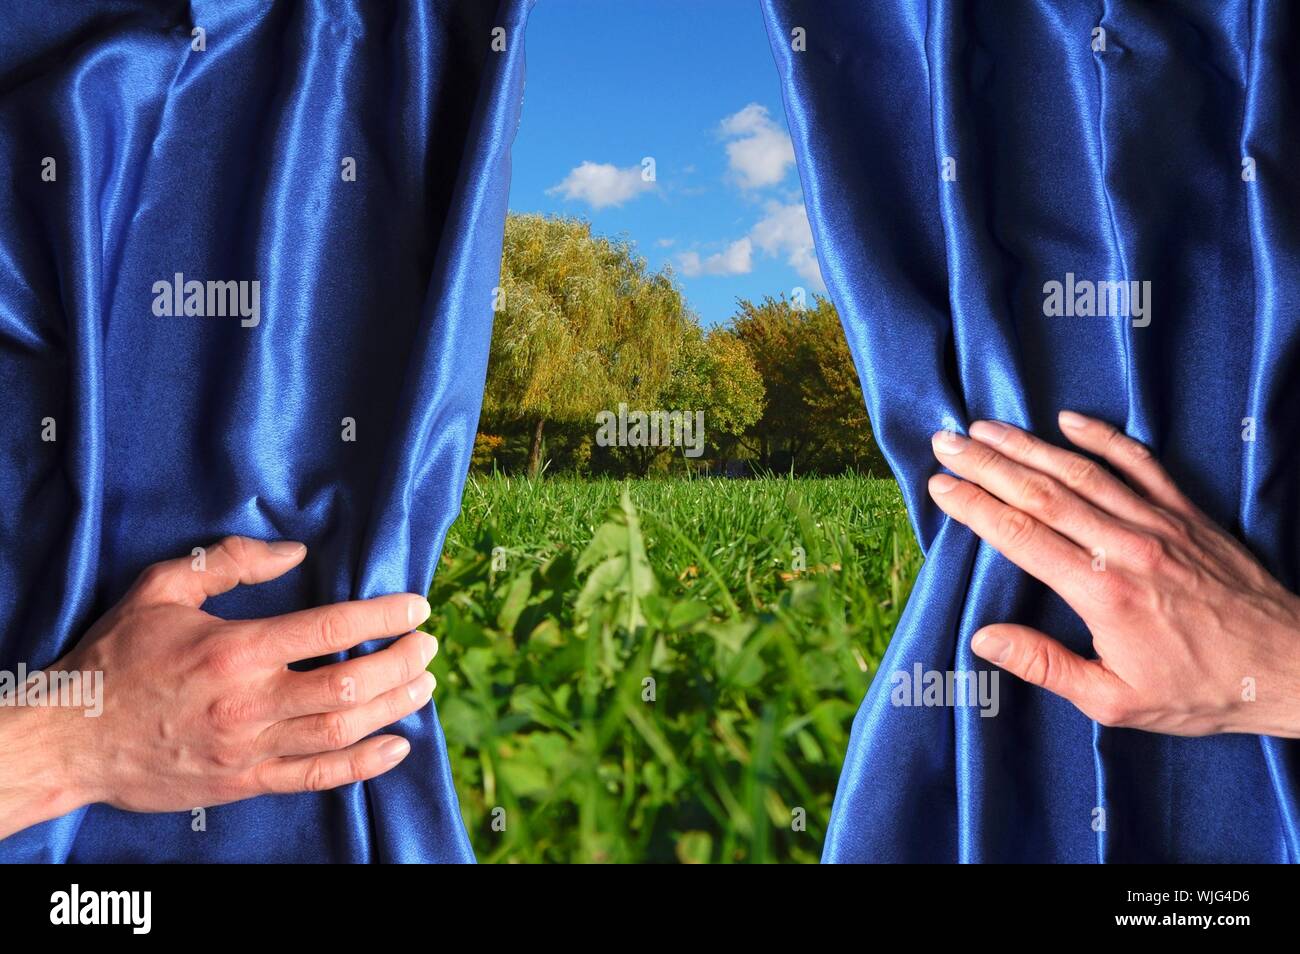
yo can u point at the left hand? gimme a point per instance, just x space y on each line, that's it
1192 635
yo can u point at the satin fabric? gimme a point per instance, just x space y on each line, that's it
1118 165
376 306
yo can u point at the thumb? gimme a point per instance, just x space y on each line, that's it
216 569
1039 659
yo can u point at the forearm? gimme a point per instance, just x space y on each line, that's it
36 767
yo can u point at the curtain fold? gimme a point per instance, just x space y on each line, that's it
233 163
956 157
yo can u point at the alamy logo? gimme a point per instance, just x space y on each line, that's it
212 299
53 688
1105 299
651 429
946 688
75 906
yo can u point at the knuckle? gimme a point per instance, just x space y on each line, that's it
1019 443
345 689
260 779
316 776
1038 666
1081 472
399 704
1136 450
335 733
1112 591
1119 444
984 459
1146 550
356 767
230 712
408 665
229 756
334 630
236 547
229 660
1015 527
1173 527
1039 495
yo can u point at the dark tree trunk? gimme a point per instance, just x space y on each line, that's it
535 452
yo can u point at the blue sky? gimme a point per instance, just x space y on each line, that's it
692 85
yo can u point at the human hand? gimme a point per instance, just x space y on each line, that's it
200 711
1193 636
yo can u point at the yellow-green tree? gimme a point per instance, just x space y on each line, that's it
814 411
714 372
581 324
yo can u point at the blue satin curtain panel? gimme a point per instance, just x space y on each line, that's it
374 305
955 158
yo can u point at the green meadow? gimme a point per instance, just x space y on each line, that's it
661 670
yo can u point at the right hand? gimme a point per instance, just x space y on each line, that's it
199 711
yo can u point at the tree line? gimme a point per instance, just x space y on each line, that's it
585 333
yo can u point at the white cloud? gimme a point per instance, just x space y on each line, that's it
758 150
784 231
736 259
602 184
666 242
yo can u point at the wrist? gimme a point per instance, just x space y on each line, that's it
39 754
1270 694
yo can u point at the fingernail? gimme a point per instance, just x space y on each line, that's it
942 483
949 442
287 548
428 647
394 750
421 687
1070 419
417 611
990 432
993 648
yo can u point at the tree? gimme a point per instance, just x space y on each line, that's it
774 334
814 412
581 325
714 372
840 435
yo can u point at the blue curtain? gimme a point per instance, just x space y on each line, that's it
956 157
230 163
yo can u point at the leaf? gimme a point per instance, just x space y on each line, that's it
686 613
694 847
622 574
462 722
521 587
523 776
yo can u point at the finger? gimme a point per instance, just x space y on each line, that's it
1131 458
356 681
1027 489
315 773
329 731
1088 479
332 629
1037 549
1038 659
217 569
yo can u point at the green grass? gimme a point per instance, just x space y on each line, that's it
647 670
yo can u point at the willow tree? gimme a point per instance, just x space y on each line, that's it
581 325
